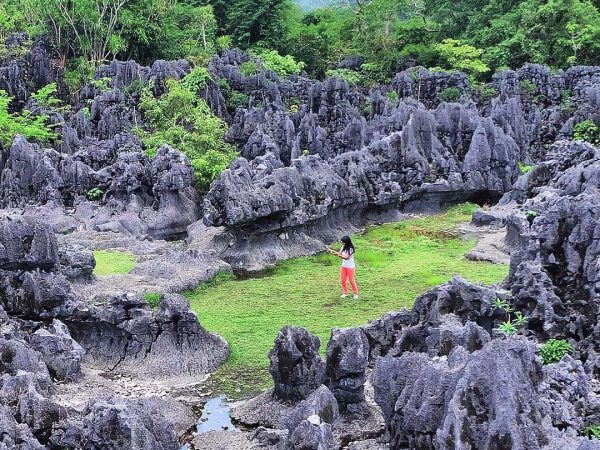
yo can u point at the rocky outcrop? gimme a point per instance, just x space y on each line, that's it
485 400
139 196
125 335
116 423
48 332
296 367
61 354
347 359
448 379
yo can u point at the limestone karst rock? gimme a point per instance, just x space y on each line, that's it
296 366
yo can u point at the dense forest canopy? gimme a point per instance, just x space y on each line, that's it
478 37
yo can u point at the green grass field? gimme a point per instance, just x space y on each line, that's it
113 262
395 263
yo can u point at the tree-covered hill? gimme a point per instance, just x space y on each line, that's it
477 37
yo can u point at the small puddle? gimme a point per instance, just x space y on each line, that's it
215 416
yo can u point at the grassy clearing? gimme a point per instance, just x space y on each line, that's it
395 263
110 262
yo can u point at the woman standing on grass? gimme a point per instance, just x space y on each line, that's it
348 269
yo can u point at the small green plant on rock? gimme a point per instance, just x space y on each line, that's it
450 94
531 215
592 431
510 326
46 98
305 152
393 97
153 299
587 131
525 168
249 68
134 88
103 84
486 93
94 194
527 86
554 350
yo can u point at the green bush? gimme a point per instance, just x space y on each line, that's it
153 299
134 88
46 98
281 65
450 94
486 93
512 324
197 79
349 76
393 97
184 121
94 194
554 350
587 131
249 68
525 168
592 431
463 57
527 86
103 84
27 124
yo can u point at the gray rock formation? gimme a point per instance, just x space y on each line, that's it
296 367
347 360
61 354
116 423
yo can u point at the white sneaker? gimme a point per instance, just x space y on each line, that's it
343 295
355 296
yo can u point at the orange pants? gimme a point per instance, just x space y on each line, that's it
346 275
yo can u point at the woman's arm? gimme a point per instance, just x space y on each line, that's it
344 255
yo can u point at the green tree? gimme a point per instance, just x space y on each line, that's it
183 120
316 39
259 22
463 57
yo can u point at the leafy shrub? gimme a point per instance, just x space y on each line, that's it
281 65
349 76
223 42
153 299
527 86
450 94
393 97
592 431
183 120
249 68
77 74
94 194
485 92
197 79
103 84
463 57
134 88
46 98
26 123
525 168
587 131
554 350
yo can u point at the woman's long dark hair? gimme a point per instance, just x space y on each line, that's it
348 245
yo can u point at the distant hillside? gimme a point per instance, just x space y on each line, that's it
308 5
